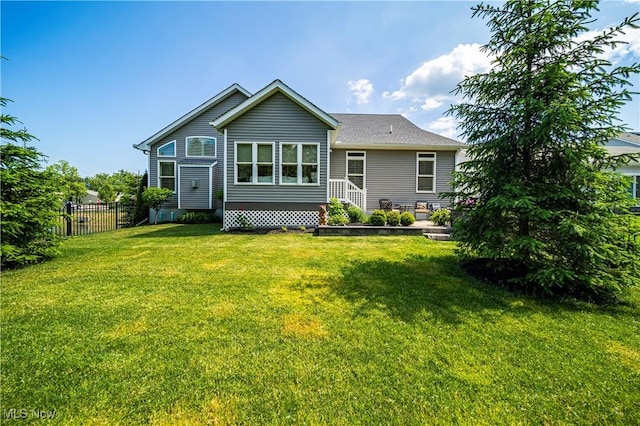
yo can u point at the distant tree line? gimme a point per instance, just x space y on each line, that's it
32 195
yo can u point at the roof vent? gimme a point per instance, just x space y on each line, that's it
391 128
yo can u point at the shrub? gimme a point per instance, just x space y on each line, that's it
441 217
407 219
337 215
393 218
154 198
355 215
378 218
196 218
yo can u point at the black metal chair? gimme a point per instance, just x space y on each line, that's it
387 205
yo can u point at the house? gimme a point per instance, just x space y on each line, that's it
628 143
625 143
277 157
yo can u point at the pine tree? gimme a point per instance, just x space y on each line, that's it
548 210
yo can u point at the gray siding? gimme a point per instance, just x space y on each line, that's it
392 174
277 119
195 198
198 126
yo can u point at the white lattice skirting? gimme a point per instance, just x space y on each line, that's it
269 218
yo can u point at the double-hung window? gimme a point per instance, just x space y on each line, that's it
299 164
167 175
200 146
254 163
426 172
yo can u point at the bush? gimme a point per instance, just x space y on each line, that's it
407 219
196 218
337 215
441 217
378 218
355 215
393 218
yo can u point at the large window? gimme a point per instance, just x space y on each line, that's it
167 175
426 172
167 150
201 146
356 168
299 164
254 163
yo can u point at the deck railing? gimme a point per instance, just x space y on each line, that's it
347 192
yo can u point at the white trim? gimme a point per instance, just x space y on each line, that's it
254 163
328 163
434 171
145 145
215 147
175 149
225 171
300 164
364 167
175 174
266 92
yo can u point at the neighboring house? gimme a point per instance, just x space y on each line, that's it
90 198
278 157
625 143
628 143
93 198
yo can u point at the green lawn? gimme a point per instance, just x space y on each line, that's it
182 324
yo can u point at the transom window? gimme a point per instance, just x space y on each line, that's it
299 164
201 146
167 175
254 163
356 168
426 172
167 150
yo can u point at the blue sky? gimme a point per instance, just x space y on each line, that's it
90 79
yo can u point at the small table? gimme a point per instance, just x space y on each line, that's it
406 207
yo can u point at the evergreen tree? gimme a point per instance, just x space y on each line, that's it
29 201
548 210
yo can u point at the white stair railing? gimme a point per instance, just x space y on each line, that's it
348 192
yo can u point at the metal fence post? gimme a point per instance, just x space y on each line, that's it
68 218
116 215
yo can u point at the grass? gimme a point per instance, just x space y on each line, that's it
183 324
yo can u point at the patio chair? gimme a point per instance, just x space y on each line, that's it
435 206
422 207
387 205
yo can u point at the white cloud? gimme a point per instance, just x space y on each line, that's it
361 91
445 126
439 76
433 102
631 47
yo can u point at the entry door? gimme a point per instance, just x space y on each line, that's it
356 168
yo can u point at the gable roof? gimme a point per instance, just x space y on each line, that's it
624 143
144 145
387 131
276 86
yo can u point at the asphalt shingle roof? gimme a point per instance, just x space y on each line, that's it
386 130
